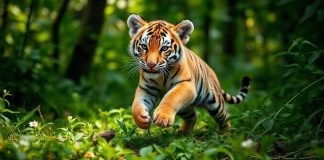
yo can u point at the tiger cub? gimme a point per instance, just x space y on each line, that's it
175 75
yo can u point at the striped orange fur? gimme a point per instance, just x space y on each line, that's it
176 76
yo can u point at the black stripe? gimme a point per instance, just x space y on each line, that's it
147 102
212 100
238 100
145 79
241 94
175 83
147 91
245 81
181 113
197 100
206 98
222 117
153 103
213 112
134 44
189 116
175 73
153 88
221 109
165 80
154 81
200 87
149 33
231 101
180 51
163 34
245 90
224 94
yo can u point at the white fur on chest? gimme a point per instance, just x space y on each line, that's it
152 75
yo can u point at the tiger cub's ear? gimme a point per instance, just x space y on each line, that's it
184 29
134 23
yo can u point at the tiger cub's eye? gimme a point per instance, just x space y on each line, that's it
164 48
144 46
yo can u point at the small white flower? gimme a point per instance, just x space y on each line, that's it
249 143
33 124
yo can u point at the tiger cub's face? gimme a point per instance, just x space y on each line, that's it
157 45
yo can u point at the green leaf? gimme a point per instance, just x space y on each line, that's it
8 111
310 10
122 126
293 65
45 126
321 72
313 57
5 118
114 111
159 149
258 124
293 45
309 43
268 124
25 118
215 151
2 104
78 136
281 54
289 72
132 132
145 151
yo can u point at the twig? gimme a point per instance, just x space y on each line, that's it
32 6
297 95
319 126
40 113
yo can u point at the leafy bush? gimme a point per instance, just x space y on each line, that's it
285 123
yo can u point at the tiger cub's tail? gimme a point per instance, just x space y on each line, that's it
241 95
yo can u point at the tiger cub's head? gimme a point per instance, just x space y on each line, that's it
157 45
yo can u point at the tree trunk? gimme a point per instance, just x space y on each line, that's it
27 28
206 25
56 31
84 49
230 29
4 17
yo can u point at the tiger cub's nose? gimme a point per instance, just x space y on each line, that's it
150 64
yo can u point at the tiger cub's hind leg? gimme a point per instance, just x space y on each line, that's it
220 115
189 117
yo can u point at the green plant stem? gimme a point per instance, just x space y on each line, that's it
274 115
319 126
297 95
149 133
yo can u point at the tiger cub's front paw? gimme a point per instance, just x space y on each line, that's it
163 118
142 120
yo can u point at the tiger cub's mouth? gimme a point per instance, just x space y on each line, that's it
150 71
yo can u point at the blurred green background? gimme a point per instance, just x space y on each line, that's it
70 56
